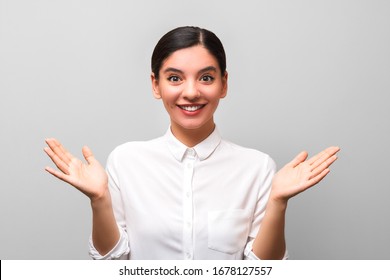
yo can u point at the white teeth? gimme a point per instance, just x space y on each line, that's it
191 108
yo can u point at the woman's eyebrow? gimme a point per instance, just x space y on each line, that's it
171 69
206 69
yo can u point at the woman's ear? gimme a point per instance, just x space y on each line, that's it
155 86
224 85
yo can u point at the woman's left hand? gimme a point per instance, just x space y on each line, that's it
301 174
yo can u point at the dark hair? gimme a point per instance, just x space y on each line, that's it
185 37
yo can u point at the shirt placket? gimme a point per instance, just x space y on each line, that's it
189 163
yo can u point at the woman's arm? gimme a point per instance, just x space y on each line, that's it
91 179
294 178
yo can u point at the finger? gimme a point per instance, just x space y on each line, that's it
326 159
59 150
301 157
325 165
59 175
65 152
322 156
88 155
57 161
315 180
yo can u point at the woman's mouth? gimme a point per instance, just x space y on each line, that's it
191 108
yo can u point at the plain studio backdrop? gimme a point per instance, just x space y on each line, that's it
303 75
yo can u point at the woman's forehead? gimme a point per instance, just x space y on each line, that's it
192 58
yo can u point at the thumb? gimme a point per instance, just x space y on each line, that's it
301 157
88 155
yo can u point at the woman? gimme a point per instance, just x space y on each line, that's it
188 194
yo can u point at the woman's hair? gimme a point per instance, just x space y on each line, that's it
185 37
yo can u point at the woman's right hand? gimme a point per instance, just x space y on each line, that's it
90 178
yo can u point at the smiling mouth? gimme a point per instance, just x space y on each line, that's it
191 108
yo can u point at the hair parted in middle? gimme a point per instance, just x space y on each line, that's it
185 37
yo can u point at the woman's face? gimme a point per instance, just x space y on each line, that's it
190 85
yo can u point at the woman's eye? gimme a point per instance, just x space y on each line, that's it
173 79
207 78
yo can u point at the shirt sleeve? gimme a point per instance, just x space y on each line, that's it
265 182
122 248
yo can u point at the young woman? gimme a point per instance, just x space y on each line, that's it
189 194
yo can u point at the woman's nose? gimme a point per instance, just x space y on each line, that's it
191 92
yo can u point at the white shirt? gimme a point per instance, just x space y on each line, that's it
175 202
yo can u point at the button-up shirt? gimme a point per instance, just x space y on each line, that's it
175 202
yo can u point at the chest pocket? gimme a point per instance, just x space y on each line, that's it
228 230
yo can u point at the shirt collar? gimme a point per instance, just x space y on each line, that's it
204 149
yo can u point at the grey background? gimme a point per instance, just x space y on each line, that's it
303 75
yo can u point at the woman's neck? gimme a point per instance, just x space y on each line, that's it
192 137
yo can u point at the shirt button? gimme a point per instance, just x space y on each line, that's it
187 194
188 224
188 256
188 165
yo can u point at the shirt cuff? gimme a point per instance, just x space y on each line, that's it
249 255
121 248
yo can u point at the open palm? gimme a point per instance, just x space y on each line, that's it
90 177
301 174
